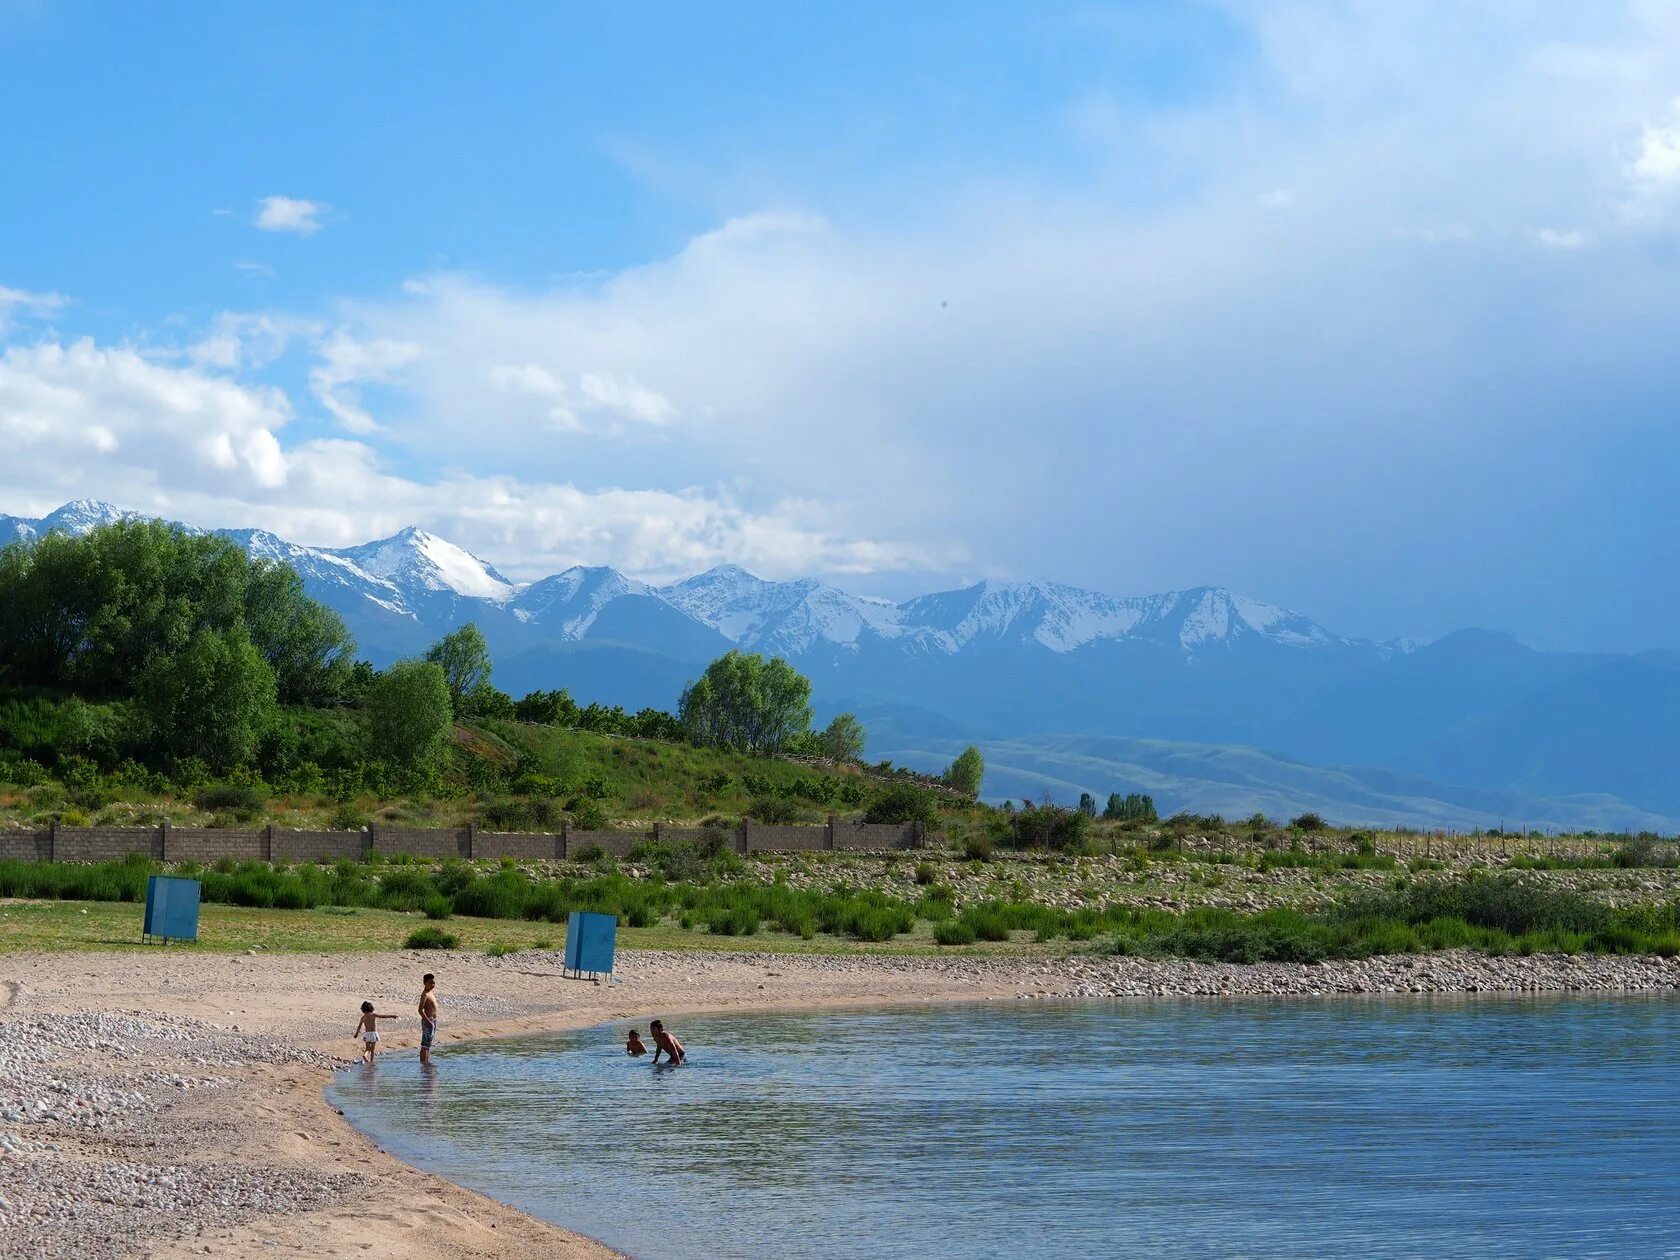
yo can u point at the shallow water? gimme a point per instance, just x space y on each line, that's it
1489 1127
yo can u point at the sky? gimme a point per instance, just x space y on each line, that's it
1367 309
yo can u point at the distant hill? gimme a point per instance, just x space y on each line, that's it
1236 782
1007 661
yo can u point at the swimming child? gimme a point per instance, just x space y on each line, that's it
367 1030
633 1044
663 1040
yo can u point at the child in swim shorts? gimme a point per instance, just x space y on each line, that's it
367 1031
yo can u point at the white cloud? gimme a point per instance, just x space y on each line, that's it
19 302
79 419
255 269
60 405
1563 238
1659 154
348 362
290 214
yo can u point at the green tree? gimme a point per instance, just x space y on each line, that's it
964 774
304 642
1133 807
843 738
485 701
465 660
551 708
213 699
87 614
409 711
1087 805
746 702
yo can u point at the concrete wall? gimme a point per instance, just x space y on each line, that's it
210 844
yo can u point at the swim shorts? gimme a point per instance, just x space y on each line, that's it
427 1027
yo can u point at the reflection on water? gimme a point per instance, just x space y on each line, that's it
1504 1127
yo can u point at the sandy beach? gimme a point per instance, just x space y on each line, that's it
169 1103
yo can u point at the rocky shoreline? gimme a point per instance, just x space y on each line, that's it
161 1132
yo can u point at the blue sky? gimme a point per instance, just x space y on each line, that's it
1364 309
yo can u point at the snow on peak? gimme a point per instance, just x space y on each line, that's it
80 515
576 596
781 617
416 557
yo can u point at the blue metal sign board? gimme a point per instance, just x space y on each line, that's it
171 909
590 939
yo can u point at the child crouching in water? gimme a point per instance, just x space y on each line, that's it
633 1044
367 1031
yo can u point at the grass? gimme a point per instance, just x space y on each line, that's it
352 905
57 926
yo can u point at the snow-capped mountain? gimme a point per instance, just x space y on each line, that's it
785 618
427 581
75 517
414 560
1024 659
570 601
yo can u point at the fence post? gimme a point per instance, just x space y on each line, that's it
472 840
163 840
565 837
268 843
658 832
828 834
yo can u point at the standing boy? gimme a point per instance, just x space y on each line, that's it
428 1015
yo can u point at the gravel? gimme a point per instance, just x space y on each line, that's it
88 1120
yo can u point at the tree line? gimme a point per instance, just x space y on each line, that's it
195 651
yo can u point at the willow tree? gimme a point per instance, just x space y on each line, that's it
745 702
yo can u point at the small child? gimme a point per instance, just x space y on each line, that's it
663 1040
367 1031
633 1044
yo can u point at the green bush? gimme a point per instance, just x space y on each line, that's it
953 932
1050 827
903 803
587 815
431 938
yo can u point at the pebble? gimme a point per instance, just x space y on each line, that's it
86 1130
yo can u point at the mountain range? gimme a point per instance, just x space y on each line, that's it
1474 727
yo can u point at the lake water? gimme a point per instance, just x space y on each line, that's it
1487 1127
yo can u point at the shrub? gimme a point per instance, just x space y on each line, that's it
1307 822
977 849
589 853
774 810
953 932
587 815
925 874
431 938
437 906
1049 827
346 817
903 803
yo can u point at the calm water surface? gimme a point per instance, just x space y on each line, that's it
1503 1127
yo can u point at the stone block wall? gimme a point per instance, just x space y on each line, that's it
207 845
525 847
